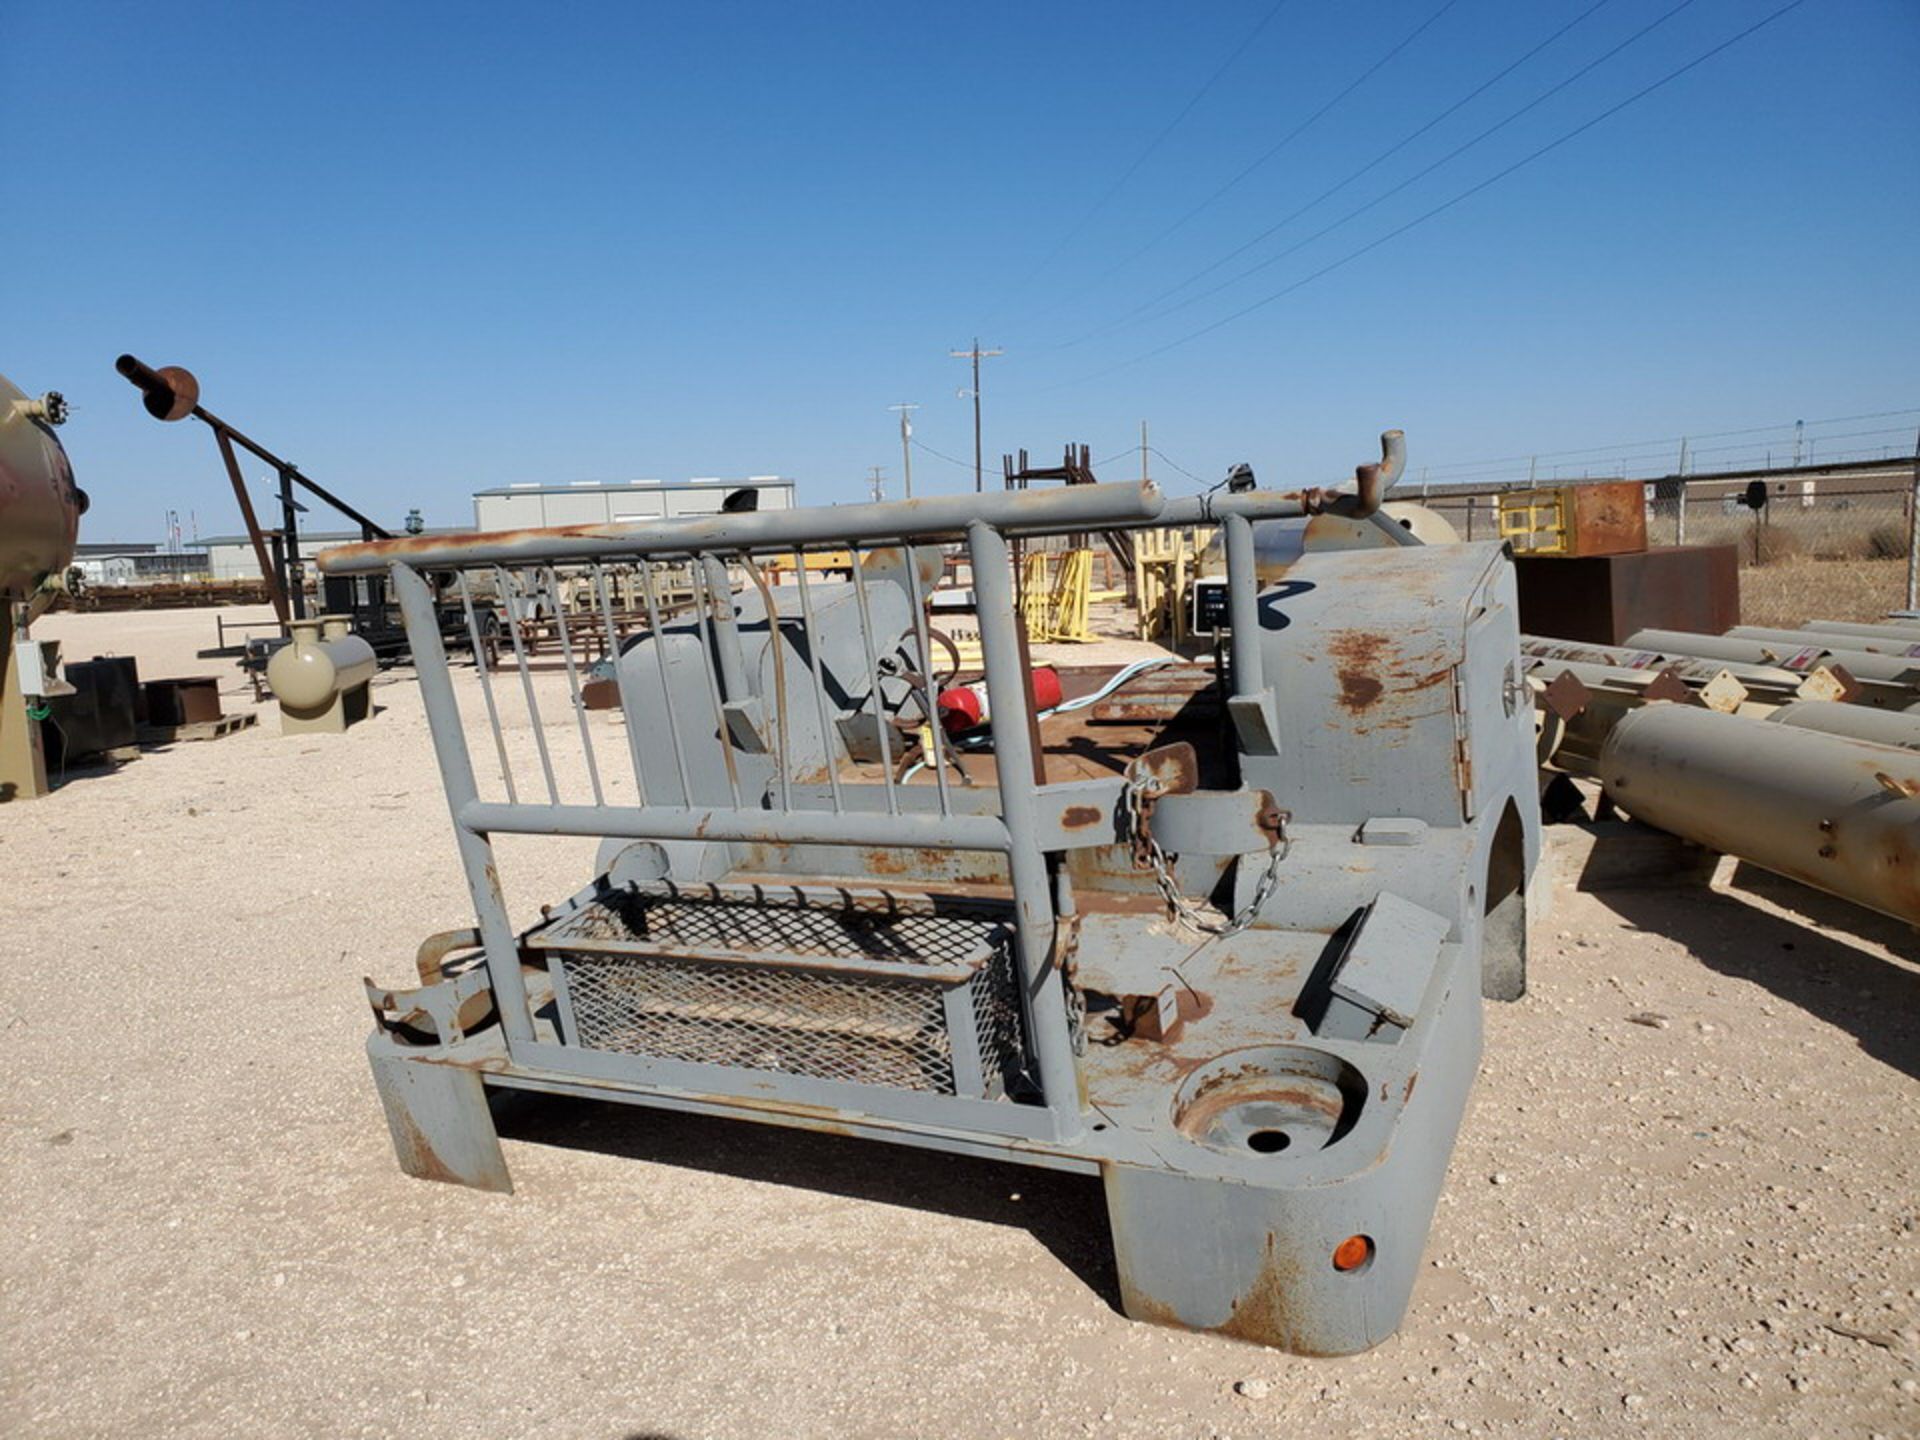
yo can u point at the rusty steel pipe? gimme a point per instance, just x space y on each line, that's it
936 517
1839 814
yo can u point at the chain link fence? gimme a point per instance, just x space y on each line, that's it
1830 543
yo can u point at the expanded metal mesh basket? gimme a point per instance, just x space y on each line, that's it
864 986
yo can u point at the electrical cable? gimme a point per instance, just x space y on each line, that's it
1368 73
1444 205
1348 179
1417 176
1086 216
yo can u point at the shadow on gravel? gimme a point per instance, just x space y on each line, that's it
1812 961
1065 1213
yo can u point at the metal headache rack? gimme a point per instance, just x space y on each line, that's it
812 907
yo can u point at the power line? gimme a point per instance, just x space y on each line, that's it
1086 216
1366 74
1422 174
1670 441
1338 186
920 444
1448 204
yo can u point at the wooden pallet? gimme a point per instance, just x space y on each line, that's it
197 730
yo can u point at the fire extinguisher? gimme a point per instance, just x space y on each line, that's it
965 707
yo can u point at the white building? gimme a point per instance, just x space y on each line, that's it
590 502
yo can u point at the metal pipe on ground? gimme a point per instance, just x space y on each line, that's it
1757 679
1835 813
1900 646
1577 706
1882 727
1885 679
1885 629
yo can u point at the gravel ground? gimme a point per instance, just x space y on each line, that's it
1684 1202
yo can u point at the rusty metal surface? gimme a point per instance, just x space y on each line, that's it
1604 599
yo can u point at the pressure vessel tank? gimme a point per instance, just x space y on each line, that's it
40 506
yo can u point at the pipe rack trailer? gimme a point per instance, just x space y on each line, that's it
1231 962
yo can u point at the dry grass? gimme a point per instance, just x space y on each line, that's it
1792 591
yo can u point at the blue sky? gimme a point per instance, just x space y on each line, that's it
421 249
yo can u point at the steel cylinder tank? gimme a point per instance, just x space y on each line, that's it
321 677
40 506
1277 544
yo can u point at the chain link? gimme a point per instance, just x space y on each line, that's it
1138 798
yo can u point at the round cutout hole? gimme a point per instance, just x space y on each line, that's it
1268 1142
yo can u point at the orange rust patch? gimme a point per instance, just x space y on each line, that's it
1079 817
1357 655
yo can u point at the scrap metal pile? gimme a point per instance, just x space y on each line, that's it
1796 750
1220 940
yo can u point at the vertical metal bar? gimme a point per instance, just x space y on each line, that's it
703 593
269 572
486 686
1913 532
725 626
573 684
659 642
506 585
927 707
602 595
290 528
873 679
1042 985
776 649
1243 604
819 686
456 774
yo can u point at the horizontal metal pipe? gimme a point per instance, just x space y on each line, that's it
1903 646
798 827
1831 812
1882 727
1070 507
1691 668
1886 669
1885 629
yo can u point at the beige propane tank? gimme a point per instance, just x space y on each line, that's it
321 677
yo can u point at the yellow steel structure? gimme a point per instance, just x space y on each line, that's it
1535 521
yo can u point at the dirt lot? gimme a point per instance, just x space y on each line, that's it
1705 1222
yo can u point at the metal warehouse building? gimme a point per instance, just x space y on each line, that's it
590 502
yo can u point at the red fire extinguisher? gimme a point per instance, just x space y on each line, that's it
965 707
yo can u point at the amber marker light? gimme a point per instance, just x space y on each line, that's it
1353 1253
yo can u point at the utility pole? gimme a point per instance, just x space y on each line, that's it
1143 452
878 483
976 355
1680 497
1913 531
906 442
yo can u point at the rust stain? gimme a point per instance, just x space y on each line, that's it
1264 1312
417 1155
1080 817
1358 655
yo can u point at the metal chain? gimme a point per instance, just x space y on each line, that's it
1137 798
